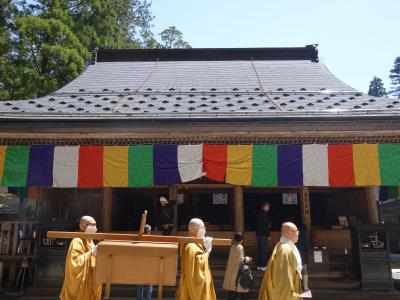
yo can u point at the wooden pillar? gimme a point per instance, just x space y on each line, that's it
33 194
239 214
372 205
106 208
195 199
306 209
42 205
172 197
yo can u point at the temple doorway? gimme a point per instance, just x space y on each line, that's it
280 209
129 204
214 206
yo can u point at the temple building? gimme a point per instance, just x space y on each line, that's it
216 131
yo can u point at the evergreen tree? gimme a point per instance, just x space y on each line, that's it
376 88
44 44
395 77
8 14
112 24
173 38
48 54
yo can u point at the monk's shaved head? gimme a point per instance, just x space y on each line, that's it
87 220
289 230
194 225
288 226
195 222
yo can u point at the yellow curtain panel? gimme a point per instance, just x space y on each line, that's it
366 164
239 164
115 166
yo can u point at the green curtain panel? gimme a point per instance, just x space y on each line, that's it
265 165
16 166
140 169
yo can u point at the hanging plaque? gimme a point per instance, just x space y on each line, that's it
180 198
289 198
220 198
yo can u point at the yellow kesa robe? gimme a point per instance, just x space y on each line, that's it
196 282
281 280
79 278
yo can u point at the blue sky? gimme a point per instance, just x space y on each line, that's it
358 39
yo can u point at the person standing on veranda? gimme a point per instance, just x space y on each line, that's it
166 217
282 280
262 234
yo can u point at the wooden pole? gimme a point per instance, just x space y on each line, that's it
106 208
372 205
143 222
239 215
134 237
306 209
161 279
108 279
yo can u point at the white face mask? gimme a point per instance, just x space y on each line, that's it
201 233
91 229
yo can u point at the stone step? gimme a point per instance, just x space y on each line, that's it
122 293
318 280
125 291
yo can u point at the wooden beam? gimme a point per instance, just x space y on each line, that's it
306 209
134 237
372 205
253 134
106 208
239 214
191 186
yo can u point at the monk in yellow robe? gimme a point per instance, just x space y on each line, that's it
79 279
282 279
196 282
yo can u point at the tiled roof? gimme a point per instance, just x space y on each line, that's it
208 86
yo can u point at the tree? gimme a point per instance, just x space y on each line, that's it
376 88
8 14
44 44
47 52
173 38
112 24
395 77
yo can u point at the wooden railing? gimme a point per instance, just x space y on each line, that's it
18 239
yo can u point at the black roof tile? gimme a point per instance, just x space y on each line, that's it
210 79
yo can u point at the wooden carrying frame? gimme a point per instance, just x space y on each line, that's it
138 263
165 245
158 259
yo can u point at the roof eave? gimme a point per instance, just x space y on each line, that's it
202 117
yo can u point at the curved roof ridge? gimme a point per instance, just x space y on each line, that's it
85 69
322 62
